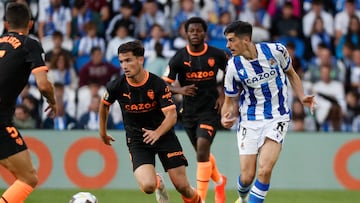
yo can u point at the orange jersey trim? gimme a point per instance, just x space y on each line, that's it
197 53
40 68
207 127
168 80
140 83
168 108
105 102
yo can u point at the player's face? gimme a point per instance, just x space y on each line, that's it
196 34
131 64
235 44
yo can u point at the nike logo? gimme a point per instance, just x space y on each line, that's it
127 95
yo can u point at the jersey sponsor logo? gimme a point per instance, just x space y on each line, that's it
150 93
141 107
127 95
200 75
172 154
261 77
13 41
211 62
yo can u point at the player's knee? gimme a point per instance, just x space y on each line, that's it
264 173
184 189
247 179
31 179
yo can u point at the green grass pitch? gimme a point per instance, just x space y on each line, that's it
135 196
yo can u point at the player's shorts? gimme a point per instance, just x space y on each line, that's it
251 135
168 148
11 141
201 126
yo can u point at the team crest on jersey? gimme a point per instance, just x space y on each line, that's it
211 62
151 94
272 63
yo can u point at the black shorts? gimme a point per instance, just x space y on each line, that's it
11 141
201 126
167 147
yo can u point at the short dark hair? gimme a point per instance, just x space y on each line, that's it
136 47
194 20
17 15
239 28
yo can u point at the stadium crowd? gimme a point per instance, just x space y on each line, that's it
81 37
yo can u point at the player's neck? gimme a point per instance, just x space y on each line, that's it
197 47
20 31
251 52
139 78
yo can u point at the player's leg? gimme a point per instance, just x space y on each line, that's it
269 152
146 177
21 167
180 181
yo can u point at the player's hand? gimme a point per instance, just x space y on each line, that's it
51 110
309 101
188 90
107 139
150 136
227 120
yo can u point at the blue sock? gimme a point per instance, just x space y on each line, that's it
242 189
258 192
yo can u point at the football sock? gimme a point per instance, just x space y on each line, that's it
194 199
242 189
203 177
157 182
16 193
215 174
258 192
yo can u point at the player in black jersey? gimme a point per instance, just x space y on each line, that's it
19 56
149 116
196 67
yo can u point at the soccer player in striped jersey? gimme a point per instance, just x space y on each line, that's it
256 82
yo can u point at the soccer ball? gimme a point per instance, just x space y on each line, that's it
83 197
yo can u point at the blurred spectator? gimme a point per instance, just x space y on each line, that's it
22 118
54 17
275 7
323 56
187 10
339 5
84 95
136 5
347 62
309 18
342 19
352 35
331 101
62 120
58 46
90 40
90 119
101 7
97 69
62 71
150 16
157 36
353 111
180 40
82 15
355 71
319 35
157 64
33 107
122 36
213 10
216 31
257 16
285 23
124 17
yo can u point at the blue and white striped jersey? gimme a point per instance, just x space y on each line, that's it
262 82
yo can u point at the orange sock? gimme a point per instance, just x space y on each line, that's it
215 174
203 177
16 193
194 199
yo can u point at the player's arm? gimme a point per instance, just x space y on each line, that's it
46 89
104 108
229 111
151 136
306 100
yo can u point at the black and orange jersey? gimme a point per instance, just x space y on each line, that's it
19 56
199 68
141 104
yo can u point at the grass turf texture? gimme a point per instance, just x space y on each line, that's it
135 196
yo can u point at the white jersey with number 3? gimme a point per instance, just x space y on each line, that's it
262 82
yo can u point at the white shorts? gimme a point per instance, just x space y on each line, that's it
251 134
